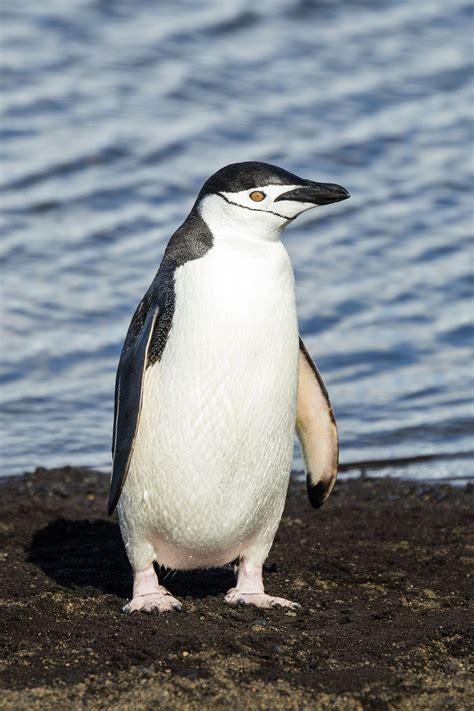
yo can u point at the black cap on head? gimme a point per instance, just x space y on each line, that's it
244 176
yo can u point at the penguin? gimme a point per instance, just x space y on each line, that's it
212 380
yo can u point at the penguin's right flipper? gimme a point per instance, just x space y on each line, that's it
128 396
317 431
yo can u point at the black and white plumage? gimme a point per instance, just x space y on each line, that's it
211 381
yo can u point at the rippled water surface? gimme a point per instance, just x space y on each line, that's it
115 113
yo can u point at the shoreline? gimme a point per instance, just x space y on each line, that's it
356 468
381 571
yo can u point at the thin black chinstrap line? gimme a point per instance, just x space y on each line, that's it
254 209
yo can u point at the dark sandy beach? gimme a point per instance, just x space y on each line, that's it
381 571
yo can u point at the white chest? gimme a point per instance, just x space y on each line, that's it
237 295
233 342
214 445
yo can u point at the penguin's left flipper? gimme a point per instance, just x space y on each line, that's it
317 431
128 396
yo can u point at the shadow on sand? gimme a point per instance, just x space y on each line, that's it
90 554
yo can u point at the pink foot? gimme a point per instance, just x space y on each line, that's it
149 596
163 601
249 590
235 597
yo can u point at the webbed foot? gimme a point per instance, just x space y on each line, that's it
161 600
148 595
258 599
249 590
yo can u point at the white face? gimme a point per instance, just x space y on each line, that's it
251 213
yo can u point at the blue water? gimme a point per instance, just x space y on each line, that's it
113 115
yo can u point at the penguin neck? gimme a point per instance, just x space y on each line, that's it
230 223
192 240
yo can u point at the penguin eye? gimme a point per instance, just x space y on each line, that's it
257 196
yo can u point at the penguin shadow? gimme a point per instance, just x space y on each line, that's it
212 582
90 555
82 554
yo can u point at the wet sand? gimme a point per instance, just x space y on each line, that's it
382 573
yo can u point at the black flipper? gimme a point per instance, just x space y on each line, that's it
317 431
128 396
146 340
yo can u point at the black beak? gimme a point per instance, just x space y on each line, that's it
316 193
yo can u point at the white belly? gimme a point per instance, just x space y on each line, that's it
212 457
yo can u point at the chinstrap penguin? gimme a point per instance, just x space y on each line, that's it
211 382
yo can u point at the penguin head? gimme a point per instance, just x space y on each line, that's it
259 199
